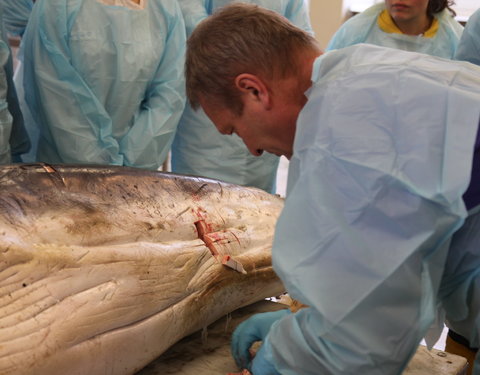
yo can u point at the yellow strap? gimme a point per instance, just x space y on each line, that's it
386 24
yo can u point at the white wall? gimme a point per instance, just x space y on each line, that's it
326 17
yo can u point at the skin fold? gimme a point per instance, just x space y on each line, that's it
102 268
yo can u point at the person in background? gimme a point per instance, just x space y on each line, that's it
198 149
16 15
104 79
426 26
469 46
381 225
14 139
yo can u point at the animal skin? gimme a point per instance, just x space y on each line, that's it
102 269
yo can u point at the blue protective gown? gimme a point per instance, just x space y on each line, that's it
198 148
363 28
15 15
382 156
104 79
469 46
14 140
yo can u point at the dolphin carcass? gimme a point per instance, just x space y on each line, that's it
104 268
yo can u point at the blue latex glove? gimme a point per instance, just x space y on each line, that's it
251 330
260 365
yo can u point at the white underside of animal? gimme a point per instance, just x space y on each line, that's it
102 268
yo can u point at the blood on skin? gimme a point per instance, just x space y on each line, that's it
200 213
209 239
202 230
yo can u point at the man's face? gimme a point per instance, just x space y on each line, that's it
407 10
260 130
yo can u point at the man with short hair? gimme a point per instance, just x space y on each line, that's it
198 149
380 229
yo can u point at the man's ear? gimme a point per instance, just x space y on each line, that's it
253 88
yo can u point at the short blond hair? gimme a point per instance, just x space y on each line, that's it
240 38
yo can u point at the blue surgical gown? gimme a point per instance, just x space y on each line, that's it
198 148
363 28
382 156
13 136
104 80
15 15
469 46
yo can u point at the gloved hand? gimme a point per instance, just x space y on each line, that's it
253 329
260 365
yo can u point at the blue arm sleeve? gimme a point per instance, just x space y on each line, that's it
57 95
297 13
151 135
469 46
356 29
194 11
346 35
